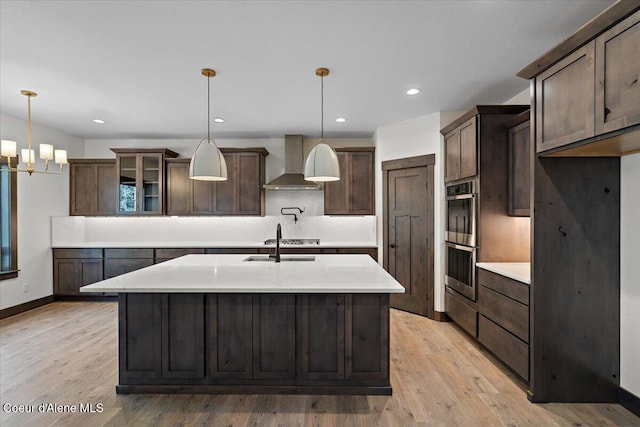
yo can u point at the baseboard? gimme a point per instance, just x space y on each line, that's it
21 308
630 401
441 316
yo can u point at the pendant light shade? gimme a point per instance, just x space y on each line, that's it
207 162
322 162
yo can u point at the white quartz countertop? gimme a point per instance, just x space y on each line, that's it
520 271
230 273
185 244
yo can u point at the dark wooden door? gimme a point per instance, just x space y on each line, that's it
182 336
565 100
83 188
361 183
336 200
249 187
519 170
452 156
617 70
106 188
409 231
468 149
226 191
274 348
178 188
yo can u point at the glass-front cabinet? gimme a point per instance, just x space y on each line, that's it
141 180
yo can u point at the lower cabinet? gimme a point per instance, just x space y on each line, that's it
461 312
119 261
74 268
254 339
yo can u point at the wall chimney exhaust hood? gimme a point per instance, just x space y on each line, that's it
293 177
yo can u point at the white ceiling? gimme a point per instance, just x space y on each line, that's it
136 64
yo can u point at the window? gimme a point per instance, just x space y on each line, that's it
8 223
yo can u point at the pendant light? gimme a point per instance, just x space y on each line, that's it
322 162
8 149
207 162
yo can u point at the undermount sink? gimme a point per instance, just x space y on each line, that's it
282 258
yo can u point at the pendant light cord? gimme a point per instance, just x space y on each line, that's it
208 108
321 107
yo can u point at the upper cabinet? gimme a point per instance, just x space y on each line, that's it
519 165
92 187
587 89
140 175
353 194
461 151
240 194
617 96
463 138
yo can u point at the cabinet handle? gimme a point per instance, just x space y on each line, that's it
606 113
392 245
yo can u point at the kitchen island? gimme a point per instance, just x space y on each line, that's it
223 324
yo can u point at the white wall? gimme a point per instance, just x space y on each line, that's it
39 198
416 137
630 274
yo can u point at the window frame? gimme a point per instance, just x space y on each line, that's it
13 214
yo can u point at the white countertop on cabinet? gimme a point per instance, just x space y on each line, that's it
230 273
520 271
186 244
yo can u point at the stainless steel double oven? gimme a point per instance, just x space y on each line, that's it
460 236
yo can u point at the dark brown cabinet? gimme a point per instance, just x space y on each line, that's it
461 151
353 194
591 92
520 166
617 98
119 261
503 324
74 268
140 180
564 100
92 187
240 194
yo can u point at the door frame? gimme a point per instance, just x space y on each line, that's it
407 163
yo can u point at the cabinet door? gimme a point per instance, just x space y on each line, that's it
82 179
106 189
127 166
519 170
226 191
565 101
150 184
178 189
617 73
229 316
274 350
249 188
69 275
452 155
321 336
202 193
336 201
468 149
361 183
183 336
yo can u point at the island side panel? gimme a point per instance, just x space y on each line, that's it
257 343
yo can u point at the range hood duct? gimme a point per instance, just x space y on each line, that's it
293 177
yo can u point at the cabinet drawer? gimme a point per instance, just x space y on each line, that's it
512 288
115 267
237 250
510 314
77 253
512 351
461 313
128 253
170 253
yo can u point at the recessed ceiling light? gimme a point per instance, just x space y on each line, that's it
341 120
413 91
218 120
99 121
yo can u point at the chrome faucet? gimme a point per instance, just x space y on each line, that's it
278 237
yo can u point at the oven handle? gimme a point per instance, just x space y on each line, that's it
460 247
462 197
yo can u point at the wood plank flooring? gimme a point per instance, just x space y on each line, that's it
66 353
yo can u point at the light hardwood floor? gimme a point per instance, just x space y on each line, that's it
66 353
